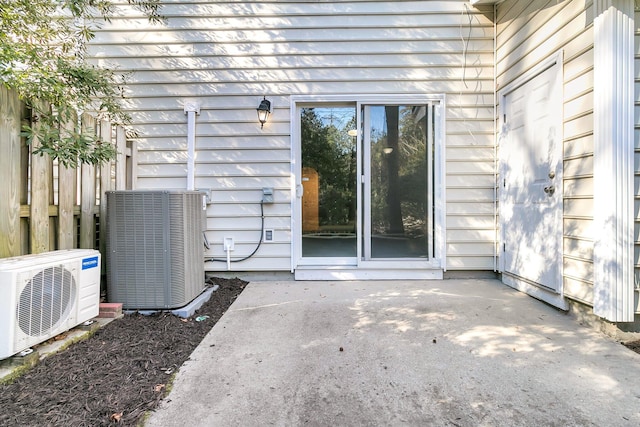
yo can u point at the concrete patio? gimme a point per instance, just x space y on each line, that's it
417 353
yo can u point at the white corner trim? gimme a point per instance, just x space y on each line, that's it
613 289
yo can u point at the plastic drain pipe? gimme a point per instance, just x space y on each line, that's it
228 247
191 109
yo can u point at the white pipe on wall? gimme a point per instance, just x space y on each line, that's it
191 109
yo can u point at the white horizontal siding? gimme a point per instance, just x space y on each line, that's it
527 33
227 55
477 194
578 187
294 61
241 49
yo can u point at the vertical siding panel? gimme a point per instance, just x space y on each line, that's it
542 29
228 55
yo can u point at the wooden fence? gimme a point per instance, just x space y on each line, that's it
45 206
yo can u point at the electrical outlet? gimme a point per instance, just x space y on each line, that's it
268 235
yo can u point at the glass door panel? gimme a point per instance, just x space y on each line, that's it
329 201
397 184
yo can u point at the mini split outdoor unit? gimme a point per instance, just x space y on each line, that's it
155 248
46 294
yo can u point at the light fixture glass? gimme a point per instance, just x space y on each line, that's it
264 109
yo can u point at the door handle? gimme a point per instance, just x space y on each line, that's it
550 190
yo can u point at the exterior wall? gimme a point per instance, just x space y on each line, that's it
226 55
528 32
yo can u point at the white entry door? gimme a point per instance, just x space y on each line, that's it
531 179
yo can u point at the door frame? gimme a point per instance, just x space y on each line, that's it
439 237
366 185
555 298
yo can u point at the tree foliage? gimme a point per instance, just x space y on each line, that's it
43 46
328 149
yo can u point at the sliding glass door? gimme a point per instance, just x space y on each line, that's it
329 165
366 182
397 182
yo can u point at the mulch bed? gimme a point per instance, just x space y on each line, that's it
115 376
635 346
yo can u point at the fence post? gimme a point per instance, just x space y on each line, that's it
9 173
39 206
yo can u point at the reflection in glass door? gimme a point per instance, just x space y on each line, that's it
329 166
397 185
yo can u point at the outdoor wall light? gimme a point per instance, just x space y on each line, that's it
264 109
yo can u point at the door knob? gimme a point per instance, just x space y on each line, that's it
552 174
550 190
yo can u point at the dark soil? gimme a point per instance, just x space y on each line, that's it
116 375
635 346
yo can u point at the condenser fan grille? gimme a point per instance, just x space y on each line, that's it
46 300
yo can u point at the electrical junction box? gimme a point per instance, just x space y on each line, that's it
267 195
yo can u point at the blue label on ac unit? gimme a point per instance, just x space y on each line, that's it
88 263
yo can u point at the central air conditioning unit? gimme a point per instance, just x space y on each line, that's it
46 294
155 248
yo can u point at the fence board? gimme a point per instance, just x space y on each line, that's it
39 206
67 186
25 156
66 203
105 185
132 174
88 194
9 173
121 159
51 189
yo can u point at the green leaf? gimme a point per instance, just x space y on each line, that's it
42 50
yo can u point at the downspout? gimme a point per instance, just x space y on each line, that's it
191 109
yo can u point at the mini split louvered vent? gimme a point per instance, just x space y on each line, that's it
155 249
46 300
46 294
